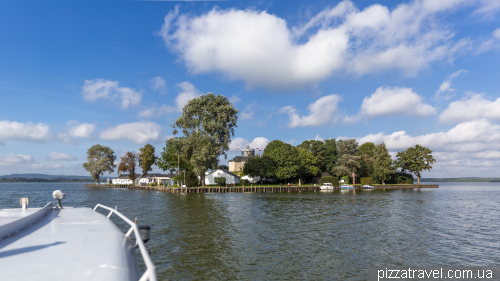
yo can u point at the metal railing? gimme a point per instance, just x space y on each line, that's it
150 273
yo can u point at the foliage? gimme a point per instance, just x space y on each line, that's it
367 148
366 180
286 158
346 165
330 155
259 166
415 160
333 180
170 156
191 179
400 177
382 165
207 123
128 163
224 167
317 150
100 159
347 147
147 158
221 181
308 164
345 178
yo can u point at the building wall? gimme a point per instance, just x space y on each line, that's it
230 179
236 166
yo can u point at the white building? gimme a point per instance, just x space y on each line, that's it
230 177
123 179
151 178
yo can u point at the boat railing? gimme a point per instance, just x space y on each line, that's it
150 273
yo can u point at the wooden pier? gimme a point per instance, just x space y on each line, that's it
252 188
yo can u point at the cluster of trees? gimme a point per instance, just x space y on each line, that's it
207 124
285 162
101 159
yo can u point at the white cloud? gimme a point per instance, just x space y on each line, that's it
24 131
473 136
446 85
258 142
41 166
260 49
159 84
155 112
395 101
234 100
318 138
61 156
473 108
492 43
138 132
321 112
11 159
188 92
95 89
77 130
487 8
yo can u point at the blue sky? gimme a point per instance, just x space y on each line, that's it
77 73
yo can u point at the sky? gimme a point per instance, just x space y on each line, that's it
117 73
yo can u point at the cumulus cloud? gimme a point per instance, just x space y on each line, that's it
95 89
159 84
446 85
387 101
155 112
11 130
260 49
188 91
472 136
321 112
61 156
77 130
258 142
14 159
137 132
472 108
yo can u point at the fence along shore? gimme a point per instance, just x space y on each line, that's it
252 188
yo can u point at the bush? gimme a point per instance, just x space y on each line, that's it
366 180
346 179
333 180
221 181
399 177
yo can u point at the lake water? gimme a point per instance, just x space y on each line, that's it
307 235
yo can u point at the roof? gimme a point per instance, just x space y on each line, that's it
239 159
225 171
157 175
125 176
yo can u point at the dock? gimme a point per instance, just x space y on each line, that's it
252 188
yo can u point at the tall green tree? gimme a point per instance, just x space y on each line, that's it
259 166
350 147
348 156
367 152
317 149
308 164
415 160
367 148
382 165
331 155
207 123
128 164
286 158
147 158
100 159
174 156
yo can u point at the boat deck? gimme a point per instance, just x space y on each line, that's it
63 244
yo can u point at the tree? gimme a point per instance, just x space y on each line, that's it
170 157
128 163
350 147
415 160
330 154
308 164
382 163
347 165
259 166
317 149
367 152
367 148
207 123
286 159
100 159
147 158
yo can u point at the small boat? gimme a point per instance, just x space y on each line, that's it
55 243
367 186
346 187
327 186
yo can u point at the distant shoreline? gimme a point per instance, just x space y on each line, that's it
44 180
460 180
